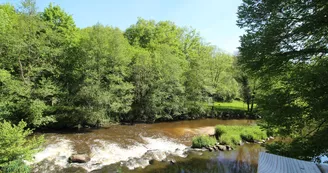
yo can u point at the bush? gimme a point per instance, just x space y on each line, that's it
203 141
15 147
253 133
17 166
232 135
231 140
219 131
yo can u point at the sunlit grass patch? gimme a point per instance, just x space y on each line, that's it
234 105
203 141
232 135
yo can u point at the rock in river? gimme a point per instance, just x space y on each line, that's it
222 147
79 158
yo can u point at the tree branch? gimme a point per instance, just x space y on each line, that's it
316 129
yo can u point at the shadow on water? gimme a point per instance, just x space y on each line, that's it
65 131
202 165
192 164
198 162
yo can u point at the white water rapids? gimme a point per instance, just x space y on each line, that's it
107 152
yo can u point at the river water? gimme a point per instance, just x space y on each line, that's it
142 148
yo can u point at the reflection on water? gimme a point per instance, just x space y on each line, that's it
242 160
133 148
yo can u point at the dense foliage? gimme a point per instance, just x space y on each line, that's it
16 147
285 46
53 74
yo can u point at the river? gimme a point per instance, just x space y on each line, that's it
142 148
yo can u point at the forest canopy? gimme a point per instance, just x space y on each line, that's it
54 74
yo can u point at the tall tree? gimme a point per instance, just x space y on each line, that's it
285 45
104 90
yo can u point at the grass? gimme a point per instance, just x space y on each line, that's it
232 135
203 141
234 105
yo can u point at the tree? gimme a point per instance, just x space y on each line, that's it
103 89
21 56
222 76
285 45
150 35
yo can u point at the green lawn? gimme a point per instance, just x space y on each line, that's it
234 105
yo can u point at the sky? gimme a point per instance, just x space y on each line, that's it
215 20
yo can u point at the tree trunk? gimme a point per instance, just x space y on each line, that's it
252 104
21 70
248 105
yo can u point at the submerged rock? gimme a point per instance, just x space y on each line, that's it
155 155
79 158
169 160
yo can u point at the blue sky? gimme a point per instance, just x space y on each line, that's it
214 19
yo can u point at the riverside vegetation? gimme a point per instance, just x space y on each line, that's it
56 75
231 136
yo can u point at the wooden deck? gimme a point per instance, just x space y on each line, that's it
270 163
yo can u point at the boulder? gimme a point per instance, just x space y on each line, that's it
79 158
152 161
215 148
210 149
222 147
240 142
229 148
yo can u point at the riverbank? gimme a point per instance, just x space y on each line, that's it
226 138
219 110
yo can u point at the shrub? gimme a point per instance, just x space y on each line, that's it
203 141
17 166
247 137
231 140
15 145
253 133
219 131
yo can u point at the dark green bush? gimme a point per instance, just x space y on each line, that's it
17 166
219 131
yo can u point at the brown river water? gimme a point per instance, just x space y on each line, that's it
143 148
